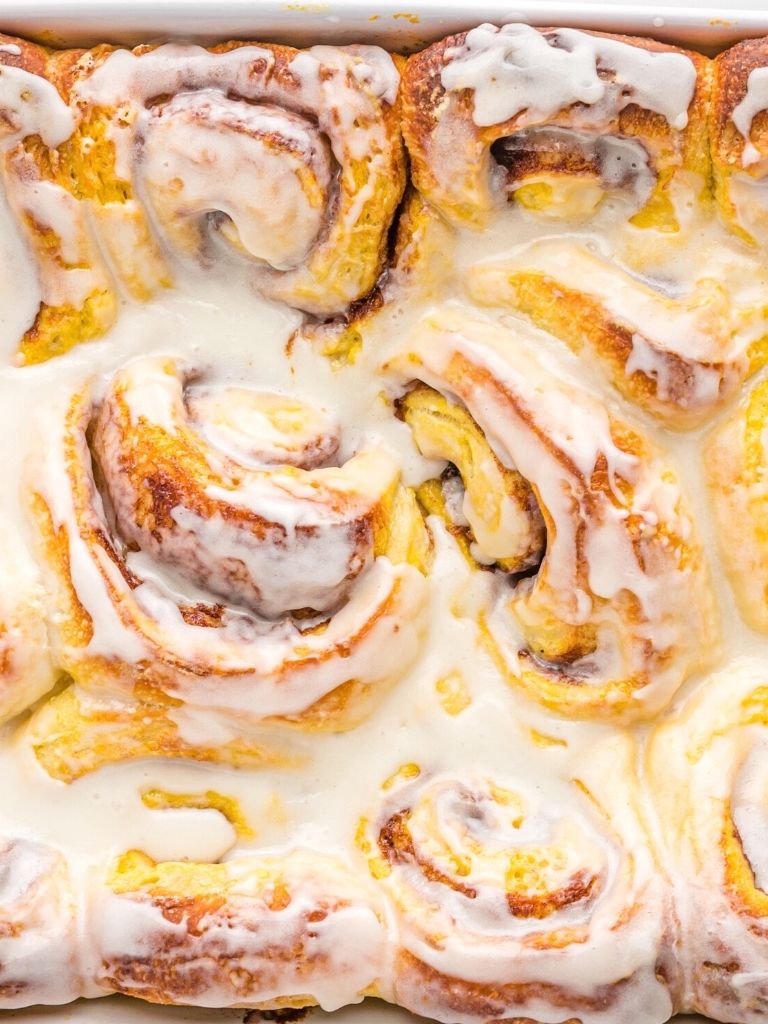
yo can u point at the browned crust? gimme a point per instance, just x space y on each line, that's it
32 58
424 98
454 998
582 321
356 273
731 75
177 973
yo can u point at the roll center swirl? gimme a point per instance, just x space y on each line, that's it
275 540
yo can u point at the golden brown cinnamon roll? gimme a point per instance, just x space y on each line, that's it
292 159
739 137
39 938
679 358
270 932
186 569
555 118
708 771
76 297
524 902
618 611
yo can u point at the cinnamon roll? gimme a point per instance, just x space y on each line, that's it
268 932
554 119
206 552
614 611
679 358
290 160
707 769
39 937
522 902
76 300
739 138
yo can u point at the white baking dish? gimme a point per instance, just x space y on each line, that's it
399 25
396 24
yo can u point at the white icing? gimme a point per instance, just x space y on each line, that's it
692 346
754 102
343 952
263 427
376 70
481 939
294 195
30 105
224 153
708 774
293 525
516 69
749 810
39 940
750 203
578 435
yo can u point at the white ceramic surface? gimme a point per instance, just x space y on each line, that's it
398 25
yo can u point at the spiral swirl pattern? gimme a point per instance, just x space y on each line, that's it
510 906
134 489
607 625
313 139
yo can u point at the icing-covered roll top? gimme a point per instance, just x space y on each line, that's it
75 300
708 770
231 579
677 357
522 902
29 102
271 932
739 138
39 937
292 159
276 540
189 173
618 611
555 118
736 461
